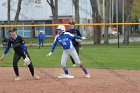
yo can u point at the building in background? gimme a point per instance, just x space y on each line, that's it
40 13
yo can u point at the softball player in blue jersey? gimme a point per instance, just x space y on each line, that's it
65 40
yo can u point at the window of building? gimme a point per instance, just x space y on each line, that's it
20 32
40 28
27 33
48 29
27 30
6 32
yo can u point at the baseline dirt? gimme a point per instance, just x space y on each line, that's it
101 81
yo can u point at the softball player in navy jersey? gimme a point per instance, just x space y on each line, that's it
65 40
20 51
76 44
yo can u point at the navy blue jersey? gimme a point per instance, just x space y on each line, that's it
74 32
65 40
18 45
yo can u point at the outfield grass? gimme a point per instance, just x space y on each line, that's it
99 56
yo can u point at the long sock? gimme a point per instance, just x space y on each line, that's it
16 71
84 69
15 63
31 68
65 70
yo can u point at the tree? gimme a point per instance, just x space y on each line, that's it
8 13
96 19
107 9
54 7
129 4
33 30
76 6
17 12
8 16
2 30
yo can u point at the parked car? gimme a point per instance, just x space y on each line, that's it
112 31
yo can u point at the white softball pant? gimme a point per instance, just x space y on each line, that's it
69 52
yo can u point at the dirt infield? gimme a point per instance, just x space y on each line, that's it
101 81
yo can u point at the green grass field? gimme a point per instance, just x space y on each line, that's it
99 56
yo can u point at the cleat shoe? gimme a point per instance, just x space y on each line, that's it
61 76
74 65
17 78
36 76
65 76
87 75
68 76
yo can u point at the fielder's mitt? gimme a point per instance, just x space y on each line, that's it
26 61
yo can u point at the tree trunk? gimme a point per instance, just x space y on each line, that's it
54 7
96 19
8 14
33 30
106 21
76 6
128 19
9 20
18 12
56 12
2 30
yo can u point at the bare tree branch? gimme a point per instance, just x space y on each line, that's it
18 12
73 1
49 2
54 8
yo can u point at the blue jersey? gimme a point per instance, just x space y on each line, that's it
41 36
65 40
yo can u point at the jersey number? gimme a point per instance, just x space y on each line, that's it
64 43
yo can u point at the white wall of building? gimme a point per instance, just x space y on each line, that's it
30 10
42 11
